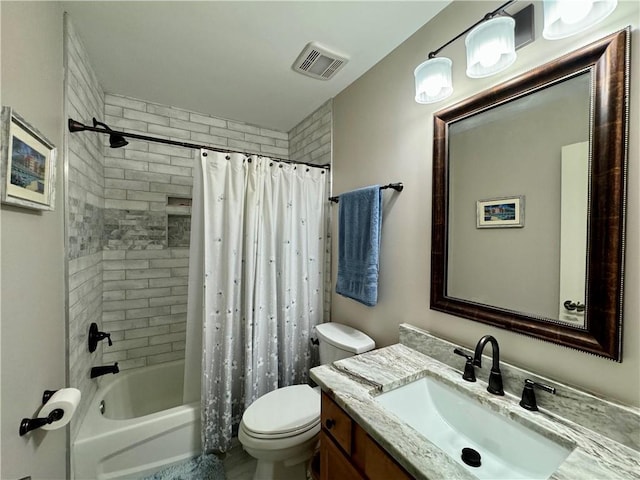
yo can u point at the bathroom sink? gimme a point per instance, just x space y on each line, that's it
454 421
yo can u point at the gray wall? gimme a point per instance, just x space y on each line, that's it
32 328
382 135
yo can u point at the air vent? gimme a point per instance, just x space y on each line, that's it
318 62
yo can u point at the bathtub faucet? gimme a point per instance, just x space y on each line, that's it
104 369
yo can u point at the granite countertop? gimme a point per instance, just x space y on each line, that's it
354 382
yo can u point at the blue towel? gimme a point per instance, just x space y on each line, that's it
359 224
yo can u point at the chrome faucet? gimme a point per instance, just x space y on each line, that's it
495 377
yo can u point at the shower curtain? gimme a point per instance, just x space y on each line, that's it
258 289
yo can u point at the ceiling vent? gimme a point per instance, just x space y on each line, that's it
318 62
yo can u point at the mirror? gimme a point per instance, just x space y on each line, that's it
529 196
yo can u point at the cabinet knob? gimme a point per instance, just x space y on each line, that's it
329 423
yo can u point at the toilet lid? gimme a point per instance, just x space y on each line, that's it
285 410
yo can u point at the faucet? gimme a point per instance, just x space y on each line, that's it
104 369
528 400
95 336
495 377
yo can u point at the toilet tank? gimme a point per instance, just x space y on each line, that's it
339 341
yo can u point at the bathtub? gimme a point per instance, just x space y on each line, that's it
144 427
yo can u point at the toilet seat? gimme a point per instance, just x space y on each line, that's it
283 413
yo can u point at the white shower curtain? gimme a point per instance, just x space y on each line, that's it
264 246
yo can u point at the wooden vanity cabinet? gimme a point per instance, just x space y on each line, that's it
347 452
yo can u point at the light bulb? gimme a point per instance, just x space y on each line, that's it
490 55
572 11
432 86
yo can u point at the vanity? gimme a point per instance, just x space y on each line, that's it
346 449
361 438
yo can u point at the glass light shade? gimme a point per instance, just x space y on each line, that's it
491 47
563 18
433 80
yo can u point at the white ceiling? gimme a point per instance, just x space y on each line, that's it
233 59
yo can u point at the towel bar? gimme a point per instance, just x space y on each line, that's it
396 186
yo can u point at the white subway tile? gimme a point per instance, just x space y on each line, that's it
169 131
165 357
167 111
148 273
147 254
168 300
146 332
190 126
148 293
124 305
170 169
167 281
274 134
126 284
147 312
145 351
173 151
212 121
148 196
168 338
145 117
126 205
245 147
125 164
118 100
208 140
179 190
243 127
144 157
123 325
169 263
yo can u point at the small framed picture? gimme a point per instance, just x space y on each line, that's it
500 212
28 164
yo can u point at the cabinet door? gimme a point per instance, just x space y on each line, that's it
337 423
380 466
333 463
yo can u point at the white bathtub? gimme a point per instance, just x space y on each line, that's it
144 428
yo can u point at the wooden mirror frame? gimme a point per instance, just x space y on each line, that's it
608 61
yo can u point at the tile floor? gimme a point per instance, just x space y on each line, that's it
238 464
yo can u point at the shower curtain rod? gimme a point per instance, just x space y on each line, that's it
75 126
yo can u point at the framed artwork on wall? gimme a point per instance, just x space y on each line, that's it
500 212
28 164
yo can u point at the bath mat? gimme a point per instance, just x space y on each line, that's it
204 467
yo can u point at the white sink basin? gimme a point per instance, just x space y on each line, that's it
453 421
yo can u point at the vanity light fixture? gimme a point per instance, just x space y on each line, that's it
563 18
433 80
490 49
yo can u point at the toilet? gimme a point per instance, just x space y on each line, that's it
281 429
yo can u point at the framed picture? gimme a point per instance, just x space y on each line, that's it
500 212
28 164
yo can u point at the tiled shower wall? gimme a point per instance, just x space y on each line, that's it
146 254
310 142
84 199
